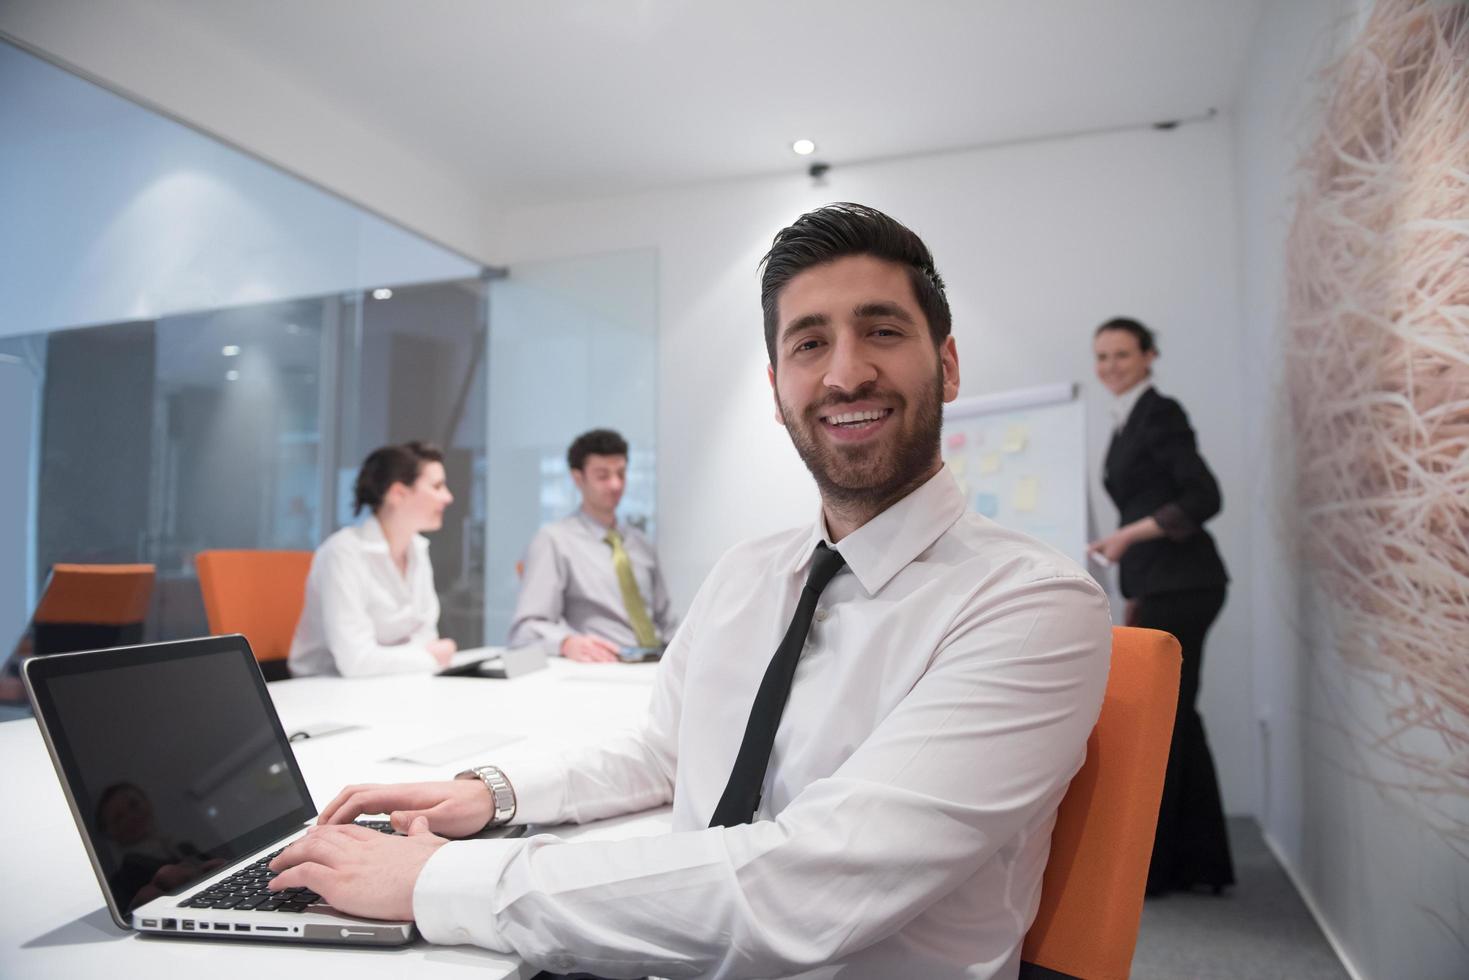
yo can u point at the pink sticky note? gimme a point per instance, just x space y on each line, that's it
956 441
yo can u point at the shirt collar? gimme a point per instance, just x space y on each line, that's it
888 543
370 536
1123 404
596 528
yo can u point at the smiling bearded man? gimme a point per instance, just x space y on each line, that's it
837 438
874 799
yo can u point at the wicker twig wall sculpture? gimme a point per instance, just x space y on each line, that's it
1378 326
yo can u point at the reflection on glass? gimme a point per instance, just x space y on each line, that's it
148 863
236 460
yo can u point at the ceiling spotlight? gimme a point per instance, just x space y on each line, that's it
232 375
382 292
230 350
804 147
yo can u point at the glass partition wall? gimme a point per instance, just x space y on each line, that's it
573 347
197 351
244 428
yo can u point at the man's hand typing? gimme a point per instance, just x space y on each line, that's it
356 870
454 808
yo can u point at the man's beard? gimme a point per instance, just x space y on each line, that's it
874 474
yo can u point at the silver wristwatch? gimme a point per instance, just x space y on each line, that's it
500 791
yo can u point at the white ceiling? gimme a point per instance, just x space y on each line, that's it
524 102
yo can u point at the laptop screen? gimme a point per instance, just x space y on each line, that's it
174 757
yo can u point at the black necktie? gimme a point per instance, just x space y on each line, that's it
742 793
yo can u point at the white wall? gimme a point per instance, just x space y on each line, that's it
1038 242
1390 892
114 213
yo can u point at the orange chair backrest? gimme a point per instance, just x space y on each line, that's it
1092 893
103 595
257 593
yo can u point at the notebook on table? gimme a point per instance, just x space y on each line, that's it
183 785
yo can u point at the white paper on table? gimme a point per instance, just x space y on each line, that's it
458 747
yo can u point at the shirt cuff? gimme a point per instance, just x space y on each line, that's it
1176 524
454 897
540 792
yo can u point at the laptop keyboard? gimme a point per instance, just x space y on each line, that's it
247 890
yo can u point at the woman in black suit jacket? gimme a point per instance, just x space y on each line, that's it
1173 580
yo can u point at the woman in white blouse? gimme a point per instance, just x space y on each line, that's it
370 601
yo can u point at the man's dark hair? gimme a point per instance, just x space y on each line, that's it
1145 340
388 465
839 230
598 442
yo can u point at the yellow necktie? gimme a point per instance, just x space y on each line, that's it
632 599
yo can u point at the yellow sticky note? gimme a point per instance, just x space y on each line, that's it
989 464
958 465
1027 493
1015 438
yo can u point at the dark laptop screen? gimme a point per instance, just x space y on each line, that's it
176 761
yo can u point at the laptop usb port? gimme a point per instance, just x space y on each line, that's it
150 923
242 927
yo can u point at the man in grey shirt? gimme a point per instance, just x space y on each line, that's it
591 584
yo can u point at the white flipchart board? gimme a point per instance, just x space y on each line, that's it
1020 458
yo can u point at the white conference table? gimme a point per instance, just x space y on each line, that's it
53 922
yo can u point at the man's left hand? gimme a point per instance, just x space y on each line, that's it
356 870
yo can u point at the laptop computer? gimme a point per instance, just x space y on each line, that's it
183 785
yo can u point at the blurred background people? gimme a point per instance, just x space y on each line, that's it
591 585
370 601
1173 580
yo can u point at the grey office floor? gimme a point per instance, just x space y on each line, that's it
1259 930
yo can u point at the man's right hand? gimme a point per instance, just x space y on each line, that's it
456 808
589 649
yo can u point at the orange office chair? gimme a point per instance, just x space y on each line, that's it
91 607
1092 893
259 594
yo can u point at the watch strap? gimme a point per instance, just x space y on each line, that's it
502 793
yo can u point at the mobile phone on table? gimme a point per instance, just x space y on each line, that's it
637 655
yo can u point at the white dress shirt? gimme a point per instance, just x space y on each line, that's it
570 586
1123 404
363 616
939 710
